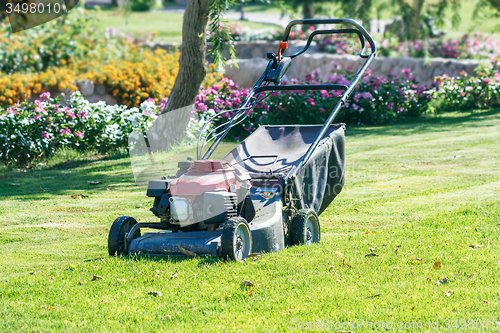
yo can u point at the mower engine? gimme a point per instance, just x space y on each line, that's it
201 198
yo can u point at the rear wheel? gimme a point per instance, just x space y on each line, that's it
116 237
236 240
305 228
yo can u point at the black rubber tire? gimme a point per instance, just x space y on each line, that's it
233 245
116 237
303 232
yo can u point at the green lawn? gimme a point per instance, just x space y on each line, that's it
168 25
416 193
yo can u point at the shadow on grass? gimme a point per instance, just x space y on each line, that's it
203 260
440 123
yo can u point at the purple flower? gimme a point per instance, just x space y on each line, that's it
164 102
65 131
45 96
390 106
355 107
70 115
79 134
82 114
44 135
322 110
399 109
36 117
407 73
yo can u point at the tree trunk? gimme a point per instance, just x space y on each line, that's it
192 63
308 9
415 19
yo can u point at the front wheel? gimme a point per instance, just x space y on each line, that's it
236 240
305 228
116 238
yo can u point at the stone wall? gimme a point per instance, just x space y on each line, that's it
252 61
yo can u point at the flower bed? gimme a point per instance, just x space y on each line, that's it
476 46
467 93
376 100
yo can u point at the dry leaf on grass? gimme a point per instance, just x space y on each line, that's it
104 301
437 264
121 280
338 254
373 296
94 182
186 252
51 308
448 293
174 275
250 293
228 296
443 281
96 277
247 283
371 255
254 255
155 293
368 232
79 196
474 246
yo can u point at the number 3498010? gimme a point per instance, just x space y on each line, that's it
33 8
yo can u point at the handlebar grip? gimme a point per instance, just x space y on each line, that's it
332 21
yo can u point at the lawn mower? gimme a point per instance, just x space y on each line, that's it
267 192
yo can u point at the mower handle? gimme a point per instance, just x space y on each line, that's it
335 31
358 26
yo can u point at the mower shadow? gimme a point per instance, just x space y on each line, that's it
203 261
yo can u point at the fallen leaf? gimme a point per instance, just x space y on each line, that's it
247 283
96 277
94 182
476 246
471 274
71 265
121 280
51 308
155 277
292 281
250 292
338 254
155 293
104 301
43 306
346 264
368 232
443 281
390 274
228 296
485 301
186 252
80 282
174 275
371 255
373 296
254 255
448 293
462 259
169 317
339 281
372 249
51 278
437 264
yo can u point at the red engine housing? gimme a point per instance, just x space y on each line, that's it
207 176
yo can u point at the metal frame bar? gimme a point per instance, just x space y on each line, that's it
361 32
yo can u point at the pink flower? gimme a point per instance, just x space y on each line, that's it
79 134
163 103
82 114
324 93
36 117
310 100
355 107
497 77
150 100
390 105
486 81
65 131
406 73
322 110
44 135
45 96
